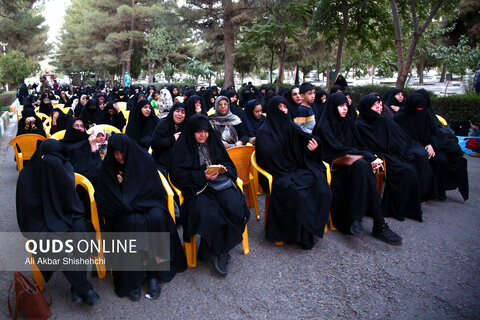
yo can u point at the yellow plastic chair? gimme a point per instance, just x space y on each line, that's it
27 144
66 109
211 111
106 127
58 135
42 116
101 270
126 114
442 120
170 195
19 112
122 105
60 105
241 159
191 247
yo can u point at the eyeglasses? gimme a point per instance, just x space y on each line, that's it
78 126
223 104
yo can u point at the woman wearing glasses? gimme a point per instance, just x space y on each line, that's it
228 126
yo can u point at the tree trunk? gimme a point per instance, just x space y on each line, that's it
420 69
297 78
130 42
228 41
341 41
398 35
444 72
122 80
281 68
271 67
151 66
96 75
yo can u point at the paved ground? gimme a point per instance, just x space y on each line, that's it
433 275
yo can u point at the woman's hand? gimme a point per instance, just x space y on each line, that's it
377 164
252 140
238 143
211 176
431 152
312 145
176 135
93 143
225 144
395 108
222 170
120 177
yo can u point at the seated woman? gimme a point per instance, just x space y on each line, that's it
195 105
141 124
300 195
213 207
406 160
113 115
91 114
131 198
228 126
393 101
447 160
101 140
294 99
234 107
253 118
30 122
45 105
59 120
353 181
166 134
320 99
48 203
82 148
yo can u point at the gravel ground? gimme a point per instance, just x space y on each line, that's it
433 275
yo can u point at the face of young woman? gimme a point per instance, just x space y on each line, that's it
100 138
146 110
377 107
349 99
175 91
343 110
297 98
223 107
78 125
399 96
324 98
198 106
283 108
257 111
118 155
201 136
84 100
233 99
178 116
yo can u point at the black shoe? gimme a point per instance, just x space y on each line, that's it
154 288
76 298
90 298
220 263
135 295
356 228
385 234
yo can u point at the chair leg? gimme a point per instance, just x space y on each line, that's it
253 198
246 247
191 252
37 275
380 178
258 188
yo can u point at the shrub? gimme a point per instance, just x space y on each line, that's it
7 98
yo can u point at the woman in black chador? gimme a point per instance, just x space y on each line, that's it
82 149
166 134
30 122
393 101
407 164
48 203
141 124
353 181
214 206
446 159
131 198
300 195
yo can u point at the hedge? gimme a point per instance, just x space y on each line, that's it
7 98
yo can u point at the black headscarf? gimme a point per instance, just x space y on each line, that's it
252 123
339 135
83 160
292 105
390 100
141 187
416 120
163 139
190 106
336 88
185 159
381 134
116 120
28 111
45 108
46 198
139 127
62 120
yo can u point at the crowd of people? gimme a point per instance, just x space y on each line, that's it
184 133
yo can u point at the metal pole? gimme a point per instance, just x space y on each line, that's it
4 44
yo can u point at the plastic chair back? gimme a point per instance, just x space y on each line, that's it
122 105
58 135
27 143
442 120
241 159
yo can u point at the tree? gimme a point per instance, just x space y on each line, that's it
159 45
15 67
351 22
427 11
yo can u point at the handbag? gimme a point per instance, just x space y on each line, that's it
221 183
346 160
29 299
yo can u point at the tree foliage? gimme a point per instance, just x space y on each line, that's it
15 67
